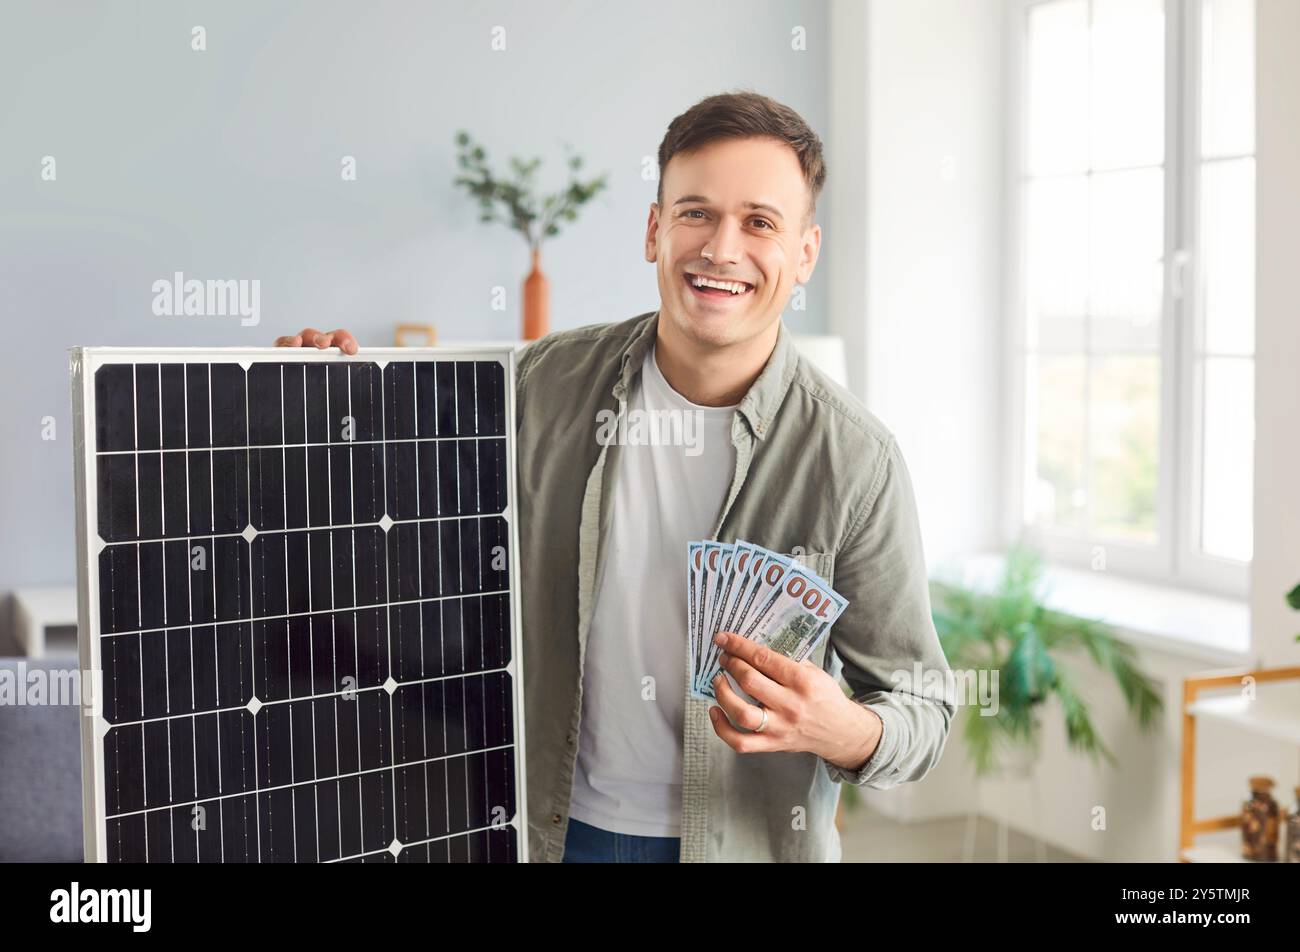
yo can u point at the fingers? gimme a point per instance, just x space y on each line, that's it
753 682
809 668
743 742
776 667
739 711
310 337
343 340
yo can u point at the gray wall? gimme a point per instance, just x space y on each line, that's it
226 164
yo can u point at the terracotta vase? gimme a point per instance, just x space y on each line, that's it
537 301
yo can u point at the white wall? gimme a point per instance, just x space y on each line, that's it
845 251
1277 332
923 224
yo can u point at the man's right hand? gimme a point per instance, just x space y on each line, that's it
310 337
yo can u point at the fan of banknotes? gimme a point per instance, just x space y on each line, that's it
759 594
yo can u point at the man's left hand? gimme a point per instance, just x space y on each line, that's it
806 708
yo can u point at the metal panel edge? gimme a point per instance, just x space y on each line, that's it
82 375
509 361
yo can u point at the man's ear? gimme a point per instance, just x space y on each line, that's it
811 248
652 233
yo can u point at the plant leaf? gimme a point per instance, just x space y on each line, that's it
1079 730
1012 633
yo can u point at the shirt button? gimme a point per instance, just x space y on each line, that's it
569 740
556 819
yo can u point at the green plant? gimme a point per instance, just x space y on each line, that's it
536 217
1293 599
1011 632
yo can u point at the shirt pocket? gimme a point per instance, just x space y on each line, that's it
823 563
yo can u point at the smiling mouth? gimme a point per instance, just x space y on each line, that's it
730 289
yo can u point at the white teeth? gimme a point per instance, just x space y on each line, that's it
732 286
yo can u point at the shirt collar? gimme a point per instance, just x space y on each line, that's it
760 403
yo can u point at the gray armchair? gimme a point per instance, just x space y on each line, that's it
40 774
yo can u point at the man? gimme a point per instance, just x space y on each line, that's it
621 762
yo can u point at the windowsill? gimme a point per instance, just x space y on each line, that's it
1204 628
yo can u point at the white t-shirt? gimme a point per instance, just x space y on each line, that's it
629 773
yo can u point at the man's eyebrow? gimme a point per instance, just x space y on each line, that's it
753 205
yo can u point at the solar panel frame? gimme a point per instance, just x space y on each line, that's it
84 362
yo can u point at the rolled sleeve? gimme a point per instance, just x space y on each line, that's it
887 631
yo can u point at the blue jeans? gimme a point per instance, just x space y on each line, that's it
584 843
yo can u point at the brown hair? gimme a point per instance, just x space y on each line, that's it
741 115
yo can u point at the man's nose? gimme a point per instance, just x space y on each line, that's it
724 246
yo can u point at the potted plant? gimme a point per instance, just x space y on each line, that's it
536 217
1012 632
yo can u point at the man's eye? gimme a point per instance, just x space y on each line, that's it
767 225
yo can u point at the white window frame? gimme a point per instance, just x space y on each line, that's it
1174 560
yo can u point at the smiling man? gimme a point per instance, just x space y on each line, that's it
622 764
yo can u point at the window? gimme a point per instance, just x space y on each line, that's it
1133 243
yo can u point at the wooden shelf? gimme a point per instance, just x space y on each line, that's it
1274 712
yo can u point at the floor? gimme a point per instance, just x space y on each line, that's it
872 837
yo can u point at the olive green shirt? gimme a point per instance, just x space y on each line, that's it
816 475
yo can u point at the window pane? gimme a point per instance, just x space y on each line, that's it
1127 248
1228 457
1057 63
1055 496
1227 77
1056 262
1124 437
1128 83
1228 255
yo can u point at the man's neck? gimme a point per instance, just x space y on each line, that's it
712 376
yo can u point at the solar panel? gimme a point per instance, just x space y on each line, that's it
298 595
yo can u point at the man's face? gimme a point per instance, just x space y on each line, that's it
733 210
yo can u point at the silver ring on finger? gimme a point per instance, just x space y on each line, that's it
763 724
